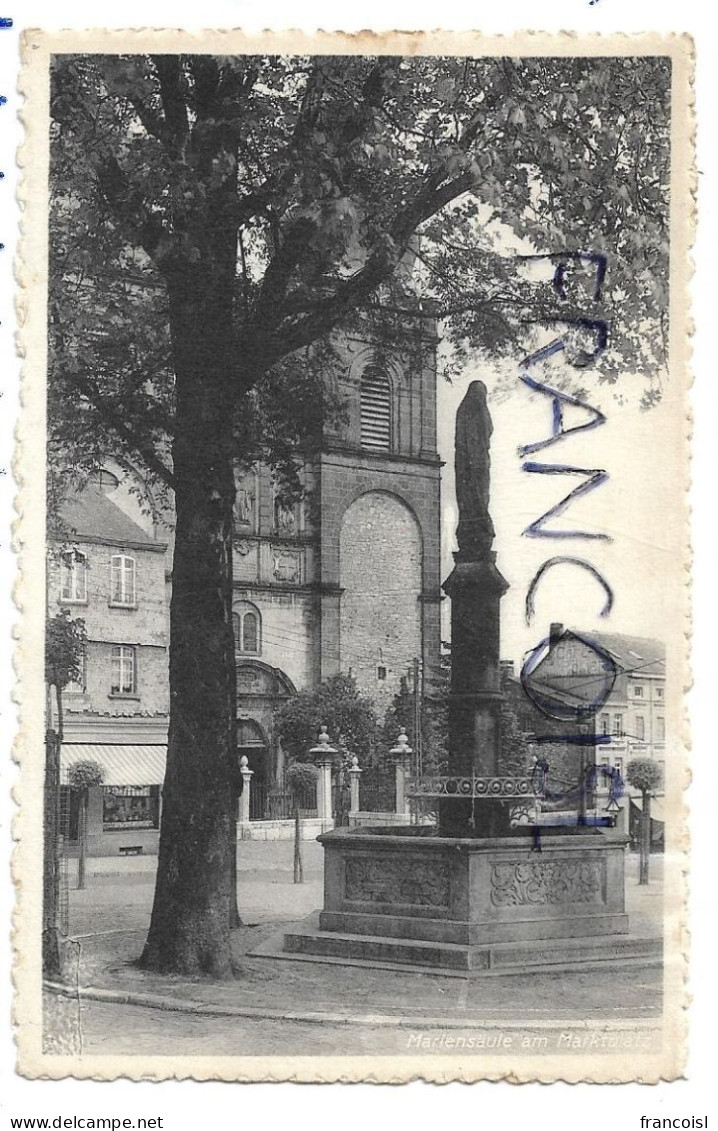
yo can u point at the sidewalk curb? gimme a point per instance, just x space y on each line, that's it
315 1017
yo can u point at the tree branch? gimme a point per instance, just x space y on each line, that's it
380 265
115 421
169 73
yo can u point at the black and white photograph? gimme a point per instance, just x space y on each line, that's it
353 531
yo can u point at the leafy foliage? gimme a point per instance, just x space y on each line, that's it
301 777
643 774
85 775
360 185
65 640
434 718
336 703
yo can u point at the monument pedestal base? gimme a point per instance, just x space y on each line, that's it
409 896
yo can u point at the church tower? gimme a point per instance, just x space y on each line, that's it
348 580
379 489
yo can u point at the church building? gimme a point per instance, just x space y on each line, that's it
348 580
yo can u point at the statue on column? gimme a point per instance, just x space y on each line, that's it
475 531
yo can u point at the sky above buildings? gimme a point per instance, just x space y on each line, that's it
639 451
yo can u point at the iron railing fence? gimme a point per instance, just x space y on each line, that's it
277 801
377 789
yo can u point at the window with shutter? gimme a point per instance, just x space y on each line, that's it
375 398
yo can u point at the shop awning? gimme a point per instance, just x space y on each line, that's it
658 812
123 765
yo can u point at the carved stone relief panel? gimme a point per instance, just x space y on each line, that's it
245 504
286 518
246 559
546 881
286 565
415 882
253 681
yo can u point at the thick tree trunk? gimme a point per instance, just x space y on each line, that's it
195 895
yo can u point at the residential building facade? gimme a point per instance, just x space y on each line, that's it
109 572
608 685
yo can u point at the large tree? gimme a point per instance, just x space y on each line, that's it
338 705
215 220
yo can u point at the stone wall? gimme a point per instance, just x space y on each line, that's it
411 489
380 574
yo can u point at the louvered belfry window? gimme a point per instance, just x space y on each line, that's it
375 410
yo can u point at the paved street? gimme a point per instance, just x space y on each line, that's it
365 1008
105 1029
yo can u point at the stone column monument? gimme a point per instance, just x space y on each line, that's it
475 588
473 894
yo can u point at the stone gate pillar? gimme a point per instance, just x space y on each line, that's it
354 776
324 754
247 776
401 753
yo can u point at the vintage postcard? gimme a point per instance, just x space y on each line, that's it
353 547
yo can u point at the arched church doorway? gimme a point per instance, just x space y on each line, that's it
252 742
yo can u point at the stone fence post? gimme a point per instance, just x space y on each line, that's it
247 775
354 775
323 754
402 756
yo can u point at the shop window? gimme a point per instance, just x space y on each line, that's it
375 410
124 670
73 577
123 581
247 624
130 807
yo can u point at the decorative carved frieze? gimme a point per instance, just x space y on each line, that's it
407 881
546 881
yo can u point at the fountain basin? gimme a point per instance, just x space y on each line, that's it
411 896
